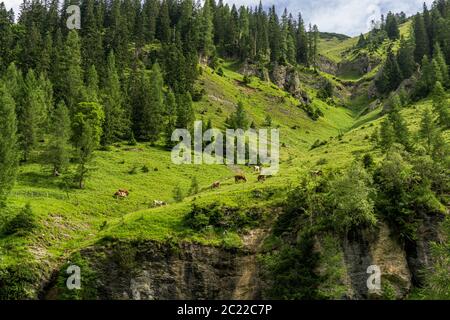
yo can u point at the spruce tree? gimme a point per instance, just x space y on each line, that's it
31 115
387 135
391 27
391 76
239 119
72 78
206 36
153 116
399 124
113 103
171 115
441 105
185 111
58 150
405 58
87 131
420 39
427 129
438 56
163 25
91 93
8 143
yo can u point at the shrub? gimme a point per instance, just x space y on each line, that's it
194 186
318 143
178 195
221 216
23 223
368 161
313 113
132 141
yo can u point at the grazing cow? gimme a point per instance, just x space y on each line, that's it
215 185
122 193
261 178
159 203
257 169
239 177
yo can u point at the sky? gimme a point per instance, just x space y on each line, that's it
350 17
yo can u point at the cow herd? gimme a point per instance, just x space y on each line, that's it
238 178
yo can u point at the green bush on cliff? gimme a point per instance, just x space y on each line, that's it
221 216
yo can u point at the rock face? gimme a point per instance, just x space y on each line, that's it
363 249
326 65
150 270
252 70
287 78
359 66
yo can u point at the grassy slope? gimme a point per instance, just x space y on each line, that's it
73 220
343 50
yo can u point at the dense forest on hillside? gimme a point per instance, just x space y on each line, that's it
76 102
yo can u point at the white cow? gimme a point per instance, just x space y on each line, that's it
159 203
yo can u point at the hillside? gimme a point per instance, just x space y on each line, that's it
88 181
70 221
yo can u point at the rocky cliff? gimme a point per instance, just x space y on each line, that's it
154 270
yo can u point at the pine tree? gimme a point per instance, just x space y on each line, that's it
8 143
427 129
72 78
405 58
390 77
438 56
58 150
274 36
391 27
399 124
31 115
91 93
441 105
387 135
163 25
431 73
206 45
87 131
185 112
420 39
150 11
91 40
239 119
115 118
171 115
153 111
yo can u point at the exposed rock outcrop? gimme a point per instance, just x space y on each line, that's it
363 249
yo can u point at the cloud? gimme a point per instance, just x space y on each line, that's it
342 16
349 17
14 4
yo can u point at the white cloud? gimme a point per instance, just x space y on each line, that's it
342 16
14 4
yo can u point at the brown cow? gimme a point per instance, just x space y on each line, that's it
239 177
261 178
215 185
122 193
